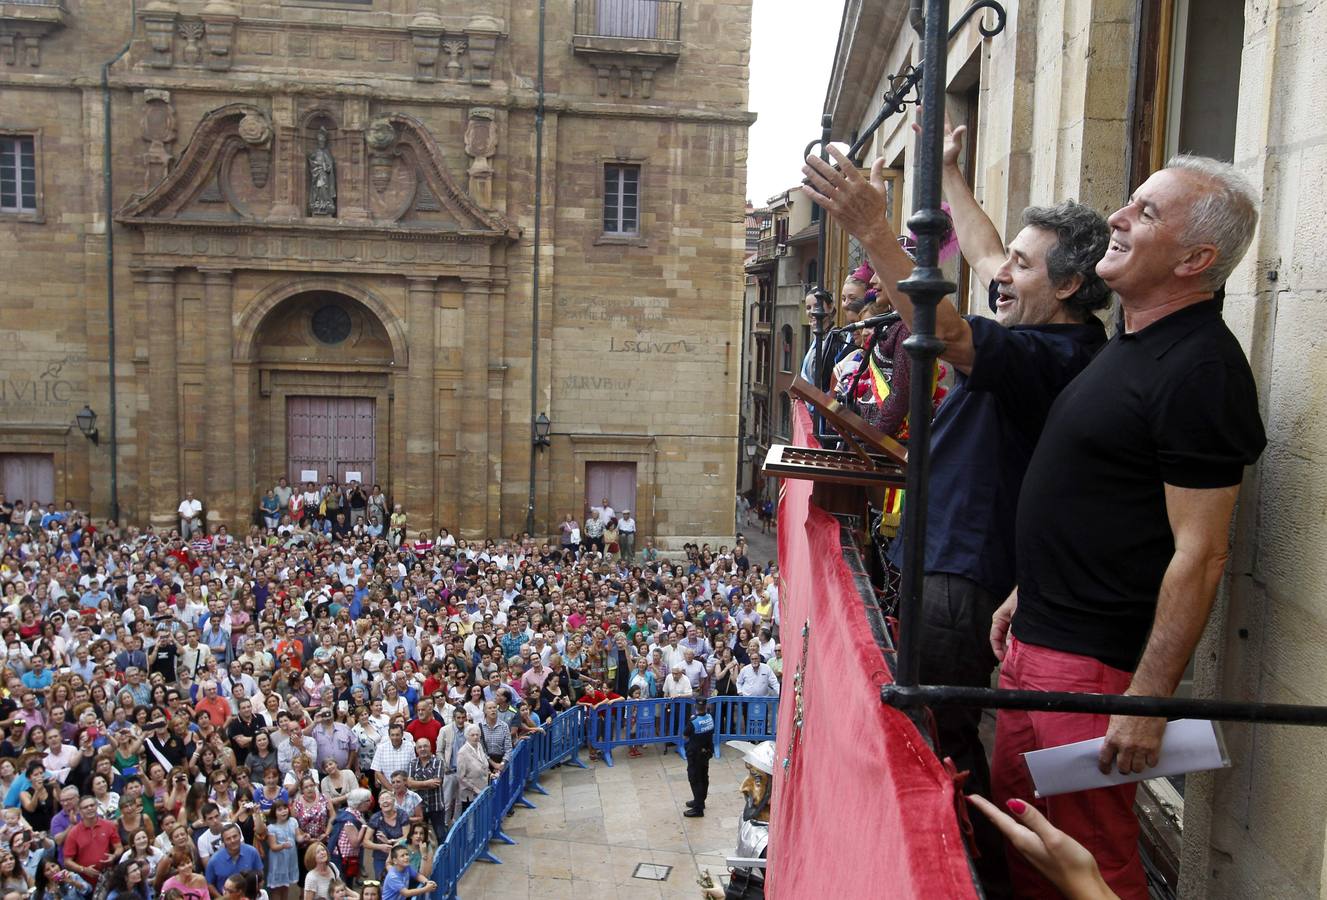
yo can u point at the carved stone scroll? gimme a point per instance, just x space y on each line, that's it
256 132
380 137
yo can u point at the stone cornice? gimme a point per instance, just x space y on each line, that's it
385 91
330 230
296 247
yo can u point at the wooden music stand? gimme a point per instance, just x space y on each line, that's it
833 466
854 430
875 458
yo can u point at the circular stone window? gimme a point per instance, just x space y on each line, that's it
331 324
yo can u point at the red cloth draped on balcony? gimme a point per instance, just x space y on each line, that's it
864 809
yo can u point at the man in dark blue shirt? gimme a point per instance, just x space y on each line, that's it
234 856
1044 291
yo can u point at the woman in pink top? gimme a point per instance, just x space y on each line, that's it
191 884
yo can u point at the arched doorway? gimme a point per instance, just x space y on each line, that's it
323 362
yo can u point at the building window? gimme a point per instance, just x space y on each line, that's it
764 301
812 274
18 174
762 360
785 415
786 350
621 199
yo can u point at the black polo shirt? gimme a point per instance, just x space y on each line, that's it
1172 404
239 728
982 439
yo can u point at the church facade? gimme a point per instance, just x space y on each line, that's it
320 243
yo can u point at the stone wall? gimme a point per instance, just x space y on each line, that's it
1260 828
1053 99
638 342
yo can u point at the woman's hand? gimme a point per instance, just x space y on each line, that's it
1063 860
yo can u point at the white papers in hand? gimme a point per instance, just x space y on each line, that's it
1189 745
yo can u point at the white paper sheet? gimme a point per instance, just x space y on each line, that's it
1189 745
308 474
354 476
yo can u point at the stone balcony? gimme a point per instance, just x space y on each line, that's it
645 29
23 25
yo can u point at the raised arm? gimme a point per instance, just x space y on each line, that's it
976 233
858 205
1200 522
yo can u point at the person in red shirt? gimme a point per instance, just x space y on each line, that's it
92 844
216 707
425 726
435 683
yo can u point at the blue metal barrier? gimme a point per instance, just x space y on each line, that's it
743 718
626 723
630 723
560 743
467 841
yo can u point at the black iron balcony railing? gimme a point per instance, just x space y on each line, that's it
656 20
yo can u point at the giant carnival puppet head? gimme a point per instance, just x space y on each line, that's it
759 783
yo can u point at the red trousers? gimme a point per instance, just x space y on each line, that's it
1102 820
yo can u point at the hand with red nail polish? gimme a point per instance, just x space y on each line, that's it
1056 855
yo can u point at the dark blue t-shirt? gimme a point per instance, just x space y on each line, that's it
982 440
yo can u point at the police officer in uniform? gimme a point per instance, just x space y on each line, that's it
699 734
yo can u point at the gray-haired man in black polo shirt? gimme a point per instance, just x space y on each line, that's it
1043 289
1124 515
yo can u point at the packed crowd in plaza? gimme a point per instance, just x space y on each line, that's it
304 709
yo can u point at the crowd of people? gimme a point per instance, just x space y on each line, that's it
303 710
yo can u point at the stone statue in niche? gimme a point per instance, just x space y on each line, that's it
322 178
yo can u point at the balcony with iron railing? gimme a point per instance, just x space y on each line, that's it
650 28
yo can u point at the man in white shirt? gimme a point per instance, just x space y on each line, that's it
695 670
677 684
626 536
191 511
672 653
757 680
605 512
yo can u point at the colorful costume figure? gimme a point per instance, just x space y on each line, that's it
753 830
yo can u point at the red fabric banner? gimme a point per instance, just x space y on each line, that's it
863 809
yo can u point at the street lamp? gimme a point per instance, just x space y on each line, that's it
86 420
751 448
541 429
